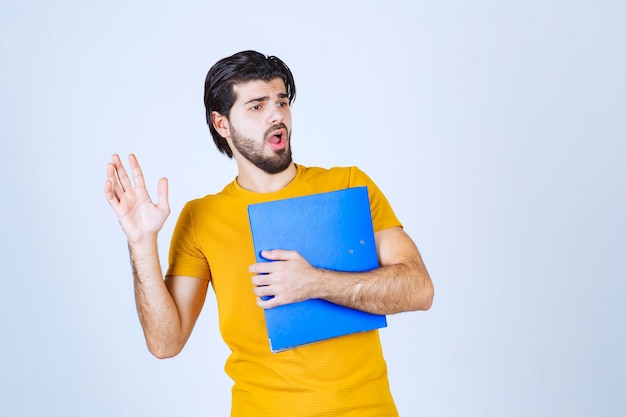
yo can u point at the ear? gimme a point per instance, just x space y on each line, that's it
220 123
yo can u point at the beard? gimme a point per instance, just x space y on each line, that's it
254 151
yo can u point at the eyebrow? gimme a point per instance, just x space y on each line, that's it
265 98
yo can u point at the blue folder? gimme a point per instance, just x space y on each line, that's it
330 230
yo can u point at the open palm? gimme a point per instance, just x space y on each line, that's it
139 216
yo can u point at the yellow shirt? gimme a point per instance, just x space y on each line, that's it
344 376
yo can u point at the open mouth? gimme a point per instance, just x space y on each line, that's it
277 139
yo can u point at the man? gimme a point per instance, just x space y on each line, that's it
247 99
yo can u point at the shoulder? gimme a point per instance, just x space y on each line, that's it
212 204
316 179
336 178
347 173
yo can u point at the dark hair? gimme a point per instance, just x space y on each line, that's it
238 68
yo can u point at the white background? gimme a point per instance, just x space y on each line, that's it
497 131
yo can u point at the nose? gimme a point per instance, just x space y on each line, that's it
275 116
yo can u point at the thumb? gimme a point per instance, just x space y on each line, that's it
162 190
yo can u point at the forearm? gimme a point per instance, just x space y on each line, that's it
157 310
401 283
385 290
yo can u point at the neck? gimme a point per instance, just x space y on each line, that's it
254 179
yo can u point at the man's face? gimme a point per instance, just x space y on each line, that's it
260 124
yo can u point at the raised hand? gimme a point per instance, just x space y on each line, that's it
139 216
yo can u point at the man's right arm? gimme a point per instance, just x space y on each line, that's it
167 309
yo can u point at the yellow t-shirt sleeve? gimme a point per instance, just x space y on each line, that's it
383 216
186 256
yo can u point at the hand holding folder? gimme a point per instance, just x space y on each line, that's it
330 230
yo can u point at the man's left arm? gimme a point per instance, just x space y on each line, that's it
401 283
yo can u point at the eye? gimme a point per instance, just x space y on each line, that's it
256 107
282 104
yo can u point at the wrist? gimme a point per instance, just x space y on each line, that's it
144 244
324 284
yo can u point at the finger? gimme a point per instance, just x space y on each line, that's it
120 171
112 198
109 194
261 268
267 302
137 172
116 189
261 280
263 291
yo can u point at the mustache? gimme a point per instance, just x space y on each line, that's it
274 128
